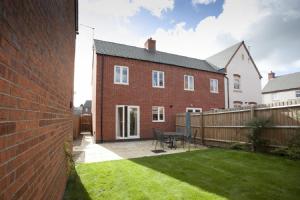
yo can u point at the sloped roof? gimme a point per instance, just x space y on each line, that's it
285 82
126 51
88 103
222 58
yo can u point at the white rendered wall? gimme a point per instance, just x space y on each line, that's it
282 96
250 82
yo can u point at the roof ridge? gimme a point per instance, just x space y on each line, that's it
156 51
224 50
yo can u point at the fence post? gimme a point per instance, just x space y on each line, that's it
252 112
202 129
188 126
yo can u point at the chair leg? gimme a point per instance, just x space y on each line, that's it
156 144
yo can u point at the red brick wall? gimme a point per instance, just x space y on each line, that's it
141 93
37 45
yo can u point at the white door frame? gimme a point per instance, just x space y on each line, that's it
128 122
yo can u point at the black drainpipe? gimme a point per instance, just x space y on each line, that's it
101 114
227 91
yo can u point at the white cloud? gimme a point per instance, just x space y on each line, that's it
205 2
111 19
212 33
271 28
127 8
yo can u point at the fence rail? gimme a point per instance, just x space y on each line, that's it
228 126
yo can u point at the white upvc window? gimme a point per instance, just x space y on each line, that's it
158 114
121 75
236 82
194 110
158 79
188 82
275 97
237 104
297 93
214 86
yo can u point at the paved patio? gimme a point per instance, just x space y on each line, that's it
86 151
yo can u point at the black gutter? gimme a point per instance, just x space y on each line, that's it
227 91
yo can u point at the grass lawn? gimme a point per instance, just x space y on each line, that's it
204 174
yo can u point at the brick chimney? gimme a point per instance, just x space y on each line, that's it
271 75
150 45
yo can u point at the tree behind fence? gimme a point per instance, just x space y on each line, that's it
228 126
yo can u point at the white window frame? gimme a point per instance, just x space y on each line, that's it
297 92
188 84
158 113
158 73
239 80
237 104
121 75
193 109
217 85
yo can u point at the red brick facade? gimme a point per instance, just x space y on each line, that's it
37 47
140 92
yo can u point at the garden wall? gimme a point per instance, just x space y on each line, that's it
223 127
37 47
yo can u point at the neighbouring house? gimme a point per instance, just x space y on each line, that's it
138 89
86 107
243 79
37 52
281 88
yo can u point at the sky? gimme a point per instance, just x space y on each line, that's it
194 28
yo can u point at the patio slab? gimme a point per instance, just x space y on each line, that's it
86 151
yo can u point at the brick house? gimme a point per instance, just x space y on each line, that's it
137 89
37 50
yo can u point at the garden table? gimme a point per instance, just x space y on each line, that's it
172 137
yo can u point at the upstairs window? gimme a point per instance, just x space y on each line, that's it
188 82
236 82
298 94
158 79
194 110
158 114
121 75
214 88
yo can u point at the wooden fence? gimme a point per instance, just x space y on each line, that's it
81 123
76 126
223 127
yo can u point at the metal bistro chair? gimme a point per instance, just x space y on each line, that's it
158 138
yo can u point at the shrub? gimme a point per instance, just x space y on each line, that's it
69 158
257 125
294 147
292 150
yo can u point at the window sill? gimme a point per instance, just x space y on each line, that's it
161 87
189 90
236 90
214 92
158 121
121 83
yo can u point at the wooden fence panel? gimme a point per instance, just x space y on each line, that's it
76 126
86 123
228 126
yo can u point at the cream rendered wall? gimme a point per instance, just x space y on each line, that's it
282 96
250 81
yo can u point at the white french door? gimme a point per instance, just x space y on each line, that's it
127 122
